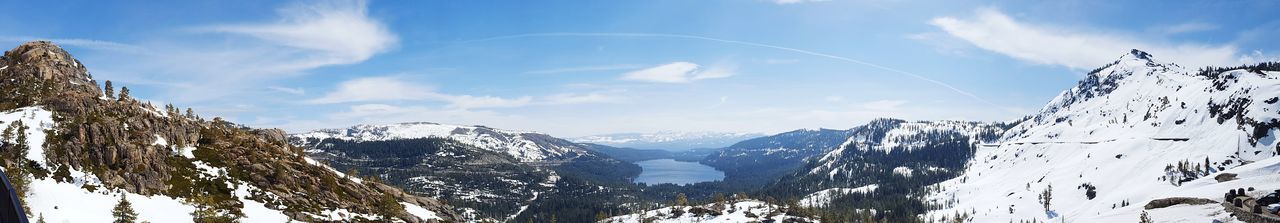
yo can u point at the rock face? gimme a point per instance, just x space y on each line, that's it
134 146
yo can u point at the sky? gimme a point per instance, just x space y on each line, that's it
575 68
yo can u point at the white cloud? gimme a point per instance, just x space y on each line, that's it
288 90
468 101
340 31
568 98
1185 28
384 113
994 31
788 2
376 89
679 72
379 89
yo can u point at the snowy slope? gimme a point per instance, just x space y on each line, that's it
80 199
823 198
891 136
524 146
668 140
728 212
1123 130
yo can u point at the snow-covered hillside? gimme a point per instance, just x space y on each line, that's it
890 136
668 140
1130 132
525 146
82 197
727 212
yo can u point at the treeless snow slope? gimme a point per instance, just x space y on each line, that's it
1118 130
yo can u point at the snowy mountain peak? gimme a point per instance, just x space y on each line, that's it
1135 123
525 146
1138 54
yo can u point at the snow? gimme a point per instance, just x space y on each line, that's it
823 198
188 152
65 202
335 171
904 171
160 141
422 213
73 202
1119 134
518 144
734 211
37 121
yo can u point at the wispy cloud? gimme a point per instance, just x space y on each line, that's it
389 89
287 90
1189 27
336 31
587 69
588 98
85 43
743 43
992 30
376 89
678 72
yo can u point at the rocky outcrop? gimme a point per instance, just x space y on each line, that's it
138 147
1166 202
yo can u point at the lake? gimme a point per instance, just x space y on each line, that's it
676 172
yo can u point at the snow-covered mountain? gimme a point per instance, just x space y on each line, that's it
487 174
1131 132
890 137
728 211
524 146
668 140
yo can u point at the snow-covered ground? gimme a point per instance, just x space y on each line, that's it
823 198
74 202
1118 131
726 212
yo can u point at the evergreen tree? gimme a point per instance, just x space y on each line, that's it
109 90
681 199
1144 218
124 93
40 219
123 212
553 218
1046 196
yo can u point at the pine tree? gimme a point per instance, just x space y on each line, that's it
40 219
681 199
123 212
553 219
109 90
124 93
1144 218
1046 196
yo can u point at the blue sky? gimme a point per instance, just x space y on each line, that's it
573 68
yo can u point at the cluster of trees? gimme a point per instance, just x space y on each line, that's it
1185 171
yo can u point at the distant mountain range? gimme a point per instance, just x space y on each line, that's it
669 140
